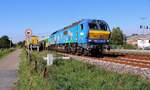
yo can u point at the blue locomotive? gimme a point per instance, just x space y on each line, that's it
83 37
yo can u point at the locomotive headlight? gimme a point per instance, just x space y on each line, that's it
82 34
95 40
89 40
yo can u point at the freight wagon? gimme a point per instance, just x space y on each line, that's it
32 43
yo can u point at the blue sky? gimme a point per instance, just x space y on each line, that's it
46 16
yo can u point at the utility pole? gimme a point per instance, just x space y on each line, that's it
142 26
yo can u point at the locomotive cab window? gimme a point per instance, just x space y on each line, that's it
81 26
103 26
93 26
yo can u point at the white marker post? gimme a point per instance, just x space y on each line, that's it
50 59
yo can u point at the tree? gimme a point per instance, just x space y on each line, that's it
117 37
5 38
21 43
5 42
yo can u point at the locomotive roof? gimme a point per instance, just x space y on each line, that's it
73 24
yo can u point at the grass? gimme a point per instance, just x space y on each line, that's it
74 75
29 78
5 52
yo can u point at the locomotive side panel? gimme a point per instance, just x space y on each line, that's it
83 32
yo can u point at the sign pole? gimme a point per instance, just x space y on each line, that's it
28 34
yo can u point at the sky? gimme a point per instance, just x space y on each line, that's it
47 16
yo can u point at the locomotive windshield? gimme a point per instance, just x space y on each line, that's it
93 26
103 26
99 26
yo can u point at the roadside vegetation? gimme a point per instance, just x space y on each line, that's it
4 52
73 75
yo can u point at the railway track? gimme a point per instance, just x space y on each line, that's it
134 64
136 61
128 61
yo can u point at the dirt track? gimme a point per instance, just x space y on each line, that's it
8 70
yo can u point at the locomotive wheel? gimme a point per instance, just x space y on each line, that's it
94 52
79 51
69 50
66 49
73 51
86 52
100 52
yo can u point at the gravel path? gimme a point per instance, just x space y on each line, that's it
8 70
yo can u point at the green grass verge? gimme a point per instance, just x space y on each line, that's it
74 75
5 52
29 78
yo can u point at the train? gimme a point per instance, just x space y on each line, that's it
32 43
87 36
